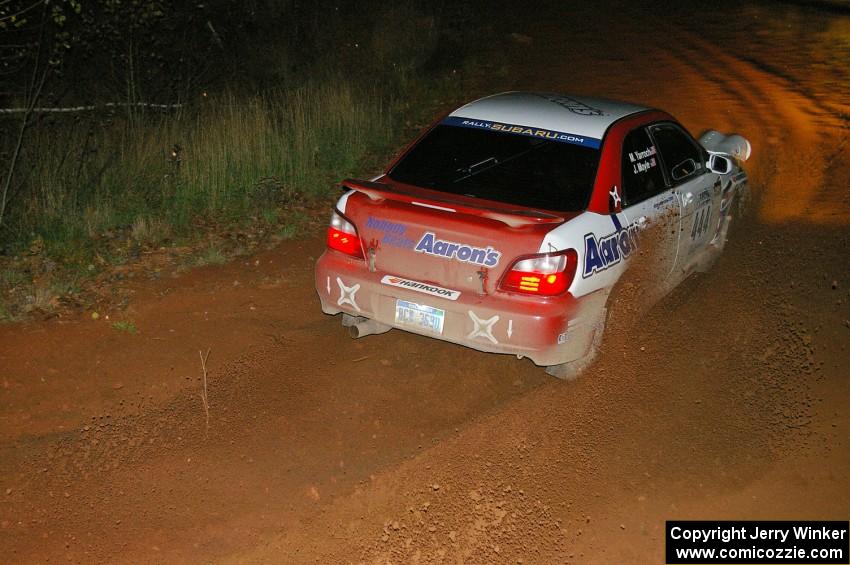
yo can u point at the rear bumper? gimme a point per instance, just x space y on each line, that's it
548 331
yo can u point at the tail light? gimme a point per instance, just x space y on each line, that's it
547 274
342 236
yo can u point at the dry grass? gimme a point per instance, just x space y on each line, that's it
41 299
230 158
149 231
212 255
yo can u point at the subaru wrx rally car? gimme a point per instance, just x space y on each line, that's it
506 224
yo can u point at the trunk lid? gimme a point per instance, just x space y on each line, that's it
442 239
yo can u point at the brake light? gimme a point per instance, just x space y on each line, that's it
547 274
342 236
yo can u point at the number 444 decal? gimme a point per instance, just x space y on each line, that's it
703 215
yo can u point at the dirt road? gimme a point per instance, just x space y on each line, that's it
729 400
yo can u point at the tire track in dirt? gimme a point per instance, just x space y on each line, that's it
794 135
287 436
586 472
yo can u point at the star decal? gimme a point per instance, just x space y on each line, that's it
482 328
346 294
615 196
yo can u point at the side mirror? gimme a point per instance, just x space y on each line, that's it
719 164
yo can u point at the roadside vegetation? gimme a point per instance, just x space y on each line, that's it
260 109
226 159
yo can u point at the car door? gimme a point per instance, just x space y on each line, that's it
697 190
649 203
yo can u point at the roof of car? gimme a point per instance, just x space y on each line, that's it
577 115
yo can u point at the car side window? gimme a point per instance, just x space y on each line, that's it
642 176
682 158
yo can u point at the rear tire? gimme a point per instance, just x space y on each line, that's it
571 370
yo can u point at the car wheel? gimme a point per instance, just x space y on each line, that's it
571 370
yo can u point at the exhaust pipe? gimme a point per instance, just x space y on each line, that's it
367 327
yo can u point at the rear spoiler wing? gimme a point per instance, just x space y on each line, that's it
377 191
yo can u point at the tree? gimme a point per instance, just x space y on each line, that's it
34 40
44 41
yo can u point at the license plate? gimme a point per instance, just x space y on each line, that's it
419 315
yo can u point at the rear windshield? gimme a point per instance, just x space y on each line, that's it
509 168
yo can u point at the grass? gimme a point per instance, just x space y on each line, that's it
99 197
289 231
210 256
5 314
12 277
149 231
125 326
68 285
101 190
230 158
42 299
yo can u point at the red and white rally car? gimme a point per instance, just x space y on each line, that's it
506 224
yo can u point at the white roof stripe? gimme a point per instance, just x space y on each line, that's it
580 115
